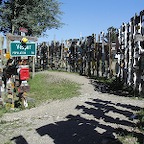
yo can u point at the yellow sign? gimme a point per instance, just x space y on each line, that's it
66 49
24 40
7 55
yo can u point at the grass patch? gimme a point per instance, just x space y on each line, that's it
45 87
141 120
9 142
2 111
128 139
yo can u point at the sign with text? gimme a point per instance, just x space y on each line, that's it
17 49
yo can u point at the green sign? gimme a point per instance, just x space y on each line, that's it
17 49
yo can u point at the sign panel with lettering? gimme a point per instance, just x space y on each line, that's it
17 49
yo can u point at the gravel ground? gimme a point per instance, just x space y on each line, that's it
91 118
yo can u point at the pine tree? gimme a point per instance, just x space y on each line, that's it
35 15
113 31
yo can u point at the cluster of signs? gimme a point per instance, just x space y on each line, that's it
18 49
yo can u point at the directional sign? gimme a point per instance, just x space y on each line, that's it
17 49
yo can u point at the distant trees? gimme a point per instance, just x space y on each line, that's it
111 34
35 15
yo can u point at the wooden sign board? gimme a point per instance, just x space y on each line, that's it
17 37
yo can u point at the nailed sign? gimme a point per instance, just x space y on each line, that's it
17 37
17 49
138 37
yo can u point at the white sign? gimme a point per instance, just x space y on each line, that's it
138 37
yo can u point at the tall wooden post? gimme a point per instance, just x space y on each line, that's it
98 55
103 55
110 60
130 43
1 67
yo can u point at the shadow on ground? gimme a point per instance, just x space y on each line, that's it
19 140
81 130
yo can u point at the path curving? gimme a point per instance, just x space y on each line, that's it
91 118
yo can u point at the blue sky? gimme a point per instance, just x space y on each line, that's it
84 17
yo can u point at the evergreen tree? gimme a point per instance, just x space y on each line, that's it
35 15
111 34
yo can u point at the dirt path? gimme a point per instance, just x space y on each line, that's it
91 118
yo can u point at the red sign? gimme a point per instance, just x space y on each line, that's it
21 29
24 74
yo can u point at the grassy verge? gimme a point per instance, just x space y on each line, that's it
45 87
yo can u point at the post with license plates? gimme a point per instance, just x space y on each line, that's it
1 67
24 87
23 49
16 48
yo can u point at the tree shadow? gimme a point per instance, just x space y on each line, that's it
19 140
80 130
114 86
77 130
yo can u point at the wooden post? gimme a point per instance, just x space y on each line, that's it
33 67
110 60
129 80
103 55
1 67
98 55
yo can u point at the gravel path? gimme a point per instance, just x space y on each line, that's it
91 118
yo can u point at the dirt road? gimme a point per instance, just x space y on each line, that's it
91 118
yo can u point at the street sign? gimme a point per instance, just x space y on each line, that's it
17 49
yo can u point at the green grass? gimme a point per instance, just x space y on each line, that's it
45 87
9 142
128 139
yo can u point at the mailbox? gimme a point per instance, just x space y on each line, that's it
24 74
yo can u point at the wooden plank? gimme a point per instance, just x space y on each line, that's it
18 37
